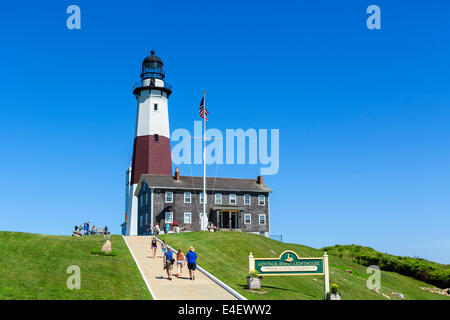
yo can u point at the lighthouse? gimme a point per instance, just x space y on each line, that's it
151 151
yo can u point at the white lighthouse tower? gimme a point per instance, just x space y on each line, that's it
151 151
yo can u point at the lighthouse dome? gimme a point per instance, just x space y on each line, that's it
152 67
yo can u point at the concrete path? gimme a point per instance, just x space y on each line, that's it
202 288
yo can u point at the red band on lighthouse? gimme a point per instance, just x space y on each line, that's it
151 155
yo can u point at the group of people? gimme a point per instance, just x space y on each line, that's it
179 258
155 230
85 229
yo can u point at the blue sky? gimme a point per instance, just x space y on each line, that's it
363 114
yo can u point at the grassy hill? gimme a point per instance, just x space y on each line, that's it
225 254
33 266
428 271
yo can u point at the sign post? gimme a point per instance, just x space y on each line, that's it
290 264
251 262
327 276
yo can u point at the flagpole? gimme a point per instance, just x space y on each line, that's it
204 158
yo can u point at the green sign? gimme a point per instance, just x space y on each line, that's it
288 264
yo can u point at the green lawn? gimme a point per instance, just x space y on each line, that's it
33 266
225 255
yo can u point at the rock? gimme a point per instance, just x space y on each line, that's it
107 247
444 292
254 283
77 234
398 295
335 296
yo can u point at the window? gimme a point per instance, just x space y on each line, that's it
146 199
247 218
169 196
140 201
261 200
156 137
187 217
247 199
232 198
262 219
201 197
187 197
155 107
140 220
218 198
169 217
146 219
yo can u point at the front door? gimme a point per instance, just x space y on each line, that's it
203 221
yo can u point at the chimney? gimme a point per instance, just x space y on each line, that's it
177 174
259 180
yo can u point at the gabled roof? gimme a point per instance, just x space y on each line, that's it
196 183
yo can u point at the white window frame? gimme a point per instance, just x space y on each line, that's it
165 217
249 199
165 196
200 197
190 197
264 200
245 219
215 198
259 219
190 217
235 198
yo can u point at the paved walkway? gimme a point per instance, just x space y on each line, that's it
202 288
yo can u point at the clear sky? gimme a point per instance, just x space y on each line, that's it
363 114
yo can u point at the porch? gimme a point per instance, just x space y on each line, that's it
229 218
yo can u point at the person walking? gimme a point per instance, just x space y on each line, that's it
191 258
157 229
168 263
152 230
180 263
154 246
166 228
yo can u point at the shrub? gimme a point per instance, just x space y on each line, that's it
253 274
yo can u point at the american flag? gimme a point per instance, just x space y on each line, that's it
202 111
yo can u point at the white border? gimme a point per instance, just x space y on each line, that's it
140 270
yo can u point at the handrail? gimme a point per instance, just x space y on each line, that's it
139 85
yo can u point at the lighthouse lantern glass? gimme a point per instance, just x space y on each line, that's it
152 70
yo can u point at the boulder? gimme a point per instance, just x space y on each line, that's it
398 295
107 247
335 296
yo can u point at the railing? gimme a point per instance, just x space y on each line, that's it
152 84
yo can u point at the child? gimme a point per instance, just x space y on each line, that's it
180 263
154 246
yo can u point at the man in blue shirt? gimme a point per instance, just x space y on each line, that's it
191 258
168 262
